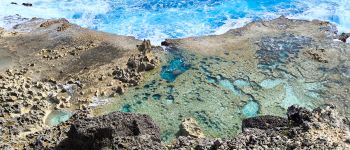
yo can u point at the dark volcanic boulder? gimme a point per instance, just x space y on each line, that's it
298 115
113 131
344 36
264 122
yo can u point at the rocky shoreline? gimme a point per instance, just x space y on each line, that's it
321 128
50 66
57 66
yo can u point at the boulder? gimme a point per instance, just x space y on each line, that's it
113 131
298 115
264 122
189 127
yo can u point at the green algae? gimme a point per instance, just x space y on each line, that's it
218 97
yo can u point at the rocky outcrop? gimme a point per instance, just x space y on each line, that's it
56 65
344 36
113 131
321 128
144 61
264 122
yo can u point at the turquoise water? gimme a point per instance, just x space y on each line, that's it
56 117
251 109
160 19
215 91
176 67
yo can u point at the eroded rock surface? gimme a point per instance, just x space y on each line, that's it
321 128
113 131
260 69
50 66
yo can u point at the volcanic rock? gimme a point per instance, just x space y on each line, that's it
114 131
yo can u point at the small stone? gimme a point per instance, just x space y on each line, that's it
13 98
27 4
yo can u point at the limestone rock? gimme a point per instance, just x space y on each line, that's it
189 127
145 47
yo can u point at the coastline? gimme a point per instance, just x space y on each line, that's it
56 65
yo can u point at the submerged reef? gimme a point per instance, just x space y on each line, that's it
63 86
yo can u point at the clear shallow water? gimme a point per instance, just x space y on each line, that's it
56 117
214 92
160 19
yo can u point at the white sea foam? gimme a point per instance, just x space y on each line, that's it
52 9
232 24
335 11
158 20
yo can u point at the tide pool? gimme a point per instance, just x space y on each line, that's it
56 117
217 98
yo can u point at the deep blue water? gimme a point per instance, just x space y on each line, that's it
160 19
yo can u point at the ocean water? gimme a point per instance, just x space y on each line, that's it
161 19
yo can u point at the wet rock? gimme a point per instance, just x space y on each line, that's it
189 127
27 4
344 36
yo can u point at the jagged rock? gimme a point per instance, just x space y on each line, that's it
298 115
189 127
332 132
344 36
264 122
145 47
113 131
